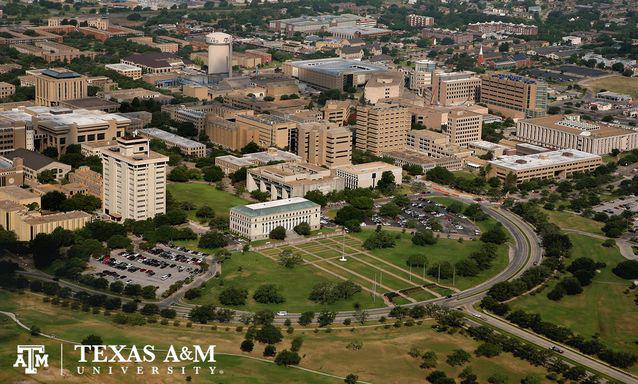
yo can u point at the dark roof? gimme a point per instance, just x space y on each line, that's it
91 103
60 74
349 49
31 159
154 59
519 57
379 58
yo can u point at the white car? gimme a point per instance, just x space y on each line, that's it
282 313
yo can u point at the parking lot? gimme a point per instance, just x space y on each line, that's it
423 212
160 267
616 207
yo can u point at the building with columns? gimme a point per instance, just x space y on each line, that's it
255 221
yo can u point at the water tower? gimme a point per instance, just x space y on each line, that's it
220 53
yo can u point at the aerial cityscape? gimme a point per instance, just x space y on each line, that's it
304 191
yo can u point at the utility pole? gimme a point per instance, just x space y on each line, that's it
438 279
453 275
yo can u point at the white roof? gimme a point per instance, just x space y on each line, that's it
563 156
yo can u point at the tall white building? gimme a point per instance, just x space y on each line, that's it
134 180
220 53
421 76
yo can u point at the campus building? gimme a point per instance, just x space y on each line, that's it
134 180
256 221
381 128
455 88
419 20
570 132
230 164
229 134
421 75
187 146
58 84
292 180
547 165
27 225
514 96
367 175
503 27
309 24
33 163
456 37
6 89
127 70
332 73
273 131
91 180
324 144
383 86
463 127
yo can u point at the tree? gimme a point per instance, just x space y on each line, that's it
302 229
149 310
440 175
351 379
390 210
233 296
118 242
268 294
296 344
270 350
326 318
205 212
387 183
316 196
269 334
488 350
212 239
34 330
247 345
458 357
627 269
306 318
278 233
52 201
286 357
289 259
46 177
379 239
251 147
495 235
202 313
424 237
213 173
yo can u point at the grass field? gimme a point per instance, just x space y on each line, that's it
204 194
620 84
603 309
567 220
383 357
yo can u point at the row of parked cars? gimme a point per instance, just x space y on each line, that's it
196 259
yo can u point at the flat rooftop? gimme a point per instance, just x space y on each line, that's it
336 66
171 138
585 128
60 73
488 145
273 207
369 167
564 156
272 154
122 67
17 192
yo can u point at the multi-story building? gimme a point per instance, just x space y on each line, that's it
324 144
90 179
229 134
381 128
132 71
455 88
547 165
6 89
570 132
155 62
419 20
456 37
230 164
337 111
309 24
33 163
287 180
433 144
52 51
514 96
148 41
28 224
134 180
367 175
255 221
502 27
421 76
11 172
383 86
332 73
12 137
463 127
273 130
186 146
91 103
58 84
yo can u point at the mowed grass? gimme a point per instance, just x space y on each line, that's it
567 220
204 194
619 84
250 270
603 309
449 250
383 357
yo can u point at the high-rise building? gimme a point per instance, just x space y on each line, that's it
421 76
324 144
220 53
455 88
58 84
514 96
463 127
382 127
273 130
419 20
134 180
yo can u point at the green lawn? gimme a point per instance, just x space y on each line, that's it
204 194
603 309
249 271
444 250
567 220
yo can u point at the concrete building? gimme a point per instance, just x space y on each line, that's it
455 88
463 127
410 157
419 20
134 180
256 221
514 96
156 62
381 128
132 71
548 165
324 144
186 146
169 47
332 73
229 134
421 76
367 175
33 163
6 90
273 130
91 103
434 144
359 32
570 132
287 180
383 86
337 111
19 195
11 172
52 51
309 24
230 163
58 84
483 147
90 179
456 37
12 137
27 225
220 53
503 27
128 95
